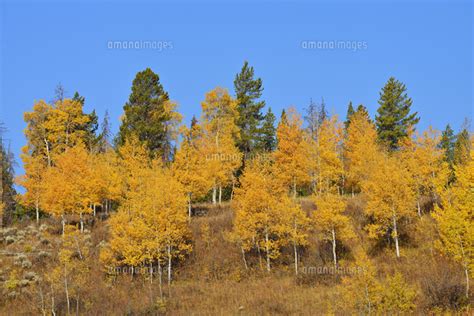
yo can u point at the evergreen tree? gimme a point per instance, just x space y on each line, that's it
145 114
105 134
7 190
350 112
447 144
267 137
394 118
462 148
248 92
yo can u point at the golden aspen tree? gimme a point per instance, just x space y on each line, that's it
37 133
291 155
360 149
152 227
390 198
329 155
171 128
219 116
297 227
189 166
331 221
259 212
70 273
66 186
455 218
107 180
32 181
361 290
424 160
66 124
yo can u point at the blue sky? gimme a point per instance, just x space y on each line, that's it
427 45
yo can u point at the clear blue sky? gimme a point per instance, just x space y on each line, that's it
427 45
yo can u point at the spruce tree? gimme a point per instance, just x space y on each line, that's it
447 144
394 118
145 114
462 148
350 112
248 91
267 137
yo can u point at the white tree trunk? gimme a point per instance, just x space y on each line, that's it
67 291
220 194
243 258
37 212
189 205
267 250
395 236
295 249
214 195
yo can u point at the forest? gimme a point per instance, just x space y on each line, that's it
239 211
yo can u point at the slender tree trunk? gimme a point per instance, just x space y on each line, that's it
37 212
169 270
43 311
63 223
214 195
233 187
82 222
77 305
395 236
465 264
418 207
267 250
160 274
189 206
94 209
151 282
48 155
243 258
67 291
334 255
295 249
220 194
52 301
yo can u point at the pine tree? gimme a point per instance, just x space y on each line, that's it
462 147
104 139
248 92
446 143
350 112
394 118
267 134
144 113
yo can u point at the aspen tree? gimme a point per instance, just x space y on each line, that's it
189 166
424 160
151 225
71 270
390 198
291 155
360 149
33 182
260 212
297 227
330 220
219 115
329 147
66 186
455 218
